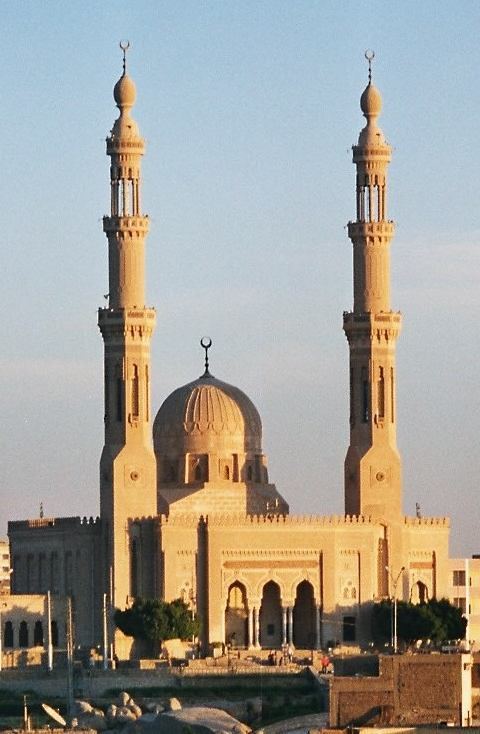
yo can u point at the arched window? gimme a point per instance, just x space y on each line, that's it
23 634
365 396
147 394
392 395
119 392
54 631
226 472
38 634
8 635
134 569
381 393
135 393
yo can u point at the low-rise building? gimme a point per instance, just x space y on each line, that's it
464 583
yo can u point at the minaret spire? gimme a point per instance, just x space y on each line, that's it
127 466
372 464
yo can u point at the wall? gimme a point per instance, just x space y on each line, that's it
411 689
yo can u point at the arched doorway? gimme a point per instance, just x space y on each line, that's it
236 616
271 616
304 617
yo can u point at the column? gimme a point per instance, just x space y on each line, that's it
317 627
290 625
284 625
250 627
257 627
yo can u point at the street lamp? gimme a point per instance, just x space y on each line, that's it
395 581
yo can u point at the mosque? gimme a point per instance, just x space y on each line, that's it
187 506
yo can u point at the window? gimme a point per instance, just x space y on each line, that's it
392 395
226 472
135 393
147 395
8 635
38 634
461 603
23 635
459 578
119 389
352 397
349 629
54 631
381 394
365 396
249 473
134 569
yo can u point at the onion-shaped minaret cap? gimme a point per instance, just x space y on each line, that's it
371 101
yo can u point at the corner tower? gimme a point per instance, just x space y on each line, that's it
372 465
127 465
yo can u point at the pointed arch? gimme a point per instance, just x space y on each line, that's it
236 615
271 615
304 616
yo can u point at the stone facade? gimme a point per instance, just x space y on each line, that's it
191 512
410 689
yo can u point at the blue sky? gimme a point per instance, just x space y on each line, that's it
249 110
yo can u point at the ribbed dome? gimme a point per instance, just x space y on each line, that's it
210 409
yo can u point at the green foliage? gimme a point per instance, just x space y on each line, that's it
437 620
154 620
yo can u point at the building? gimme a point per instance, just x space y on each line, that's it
464 593
4 567
189 510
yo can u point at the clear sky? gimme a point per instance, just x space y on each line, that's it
249 110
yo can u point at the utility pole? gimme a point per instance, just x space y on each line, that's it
394 587
69 657
49 633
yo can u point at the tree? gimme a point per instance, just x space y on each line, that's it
154 620
437 620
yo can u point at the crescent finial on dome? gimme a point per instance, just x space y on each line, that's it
206 343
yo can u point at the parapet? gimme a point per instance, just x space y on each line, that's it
436 521
60 523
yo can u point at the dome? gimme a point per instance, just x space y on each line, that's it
371 101
124 92
206 413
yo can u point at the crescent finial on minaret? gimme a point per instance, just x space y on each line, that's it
124 45
369 55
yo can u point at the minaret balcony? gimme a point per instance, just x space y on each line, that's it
115 223
120 321
359 230
388 323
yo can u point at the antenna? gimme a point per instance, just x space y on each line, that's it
206 343
369 55
124 45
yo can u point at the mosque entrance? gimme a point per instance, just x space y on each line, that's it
271 616
304 617
236 616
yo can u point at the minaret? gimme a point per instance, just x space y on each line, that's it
127 465
372 465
